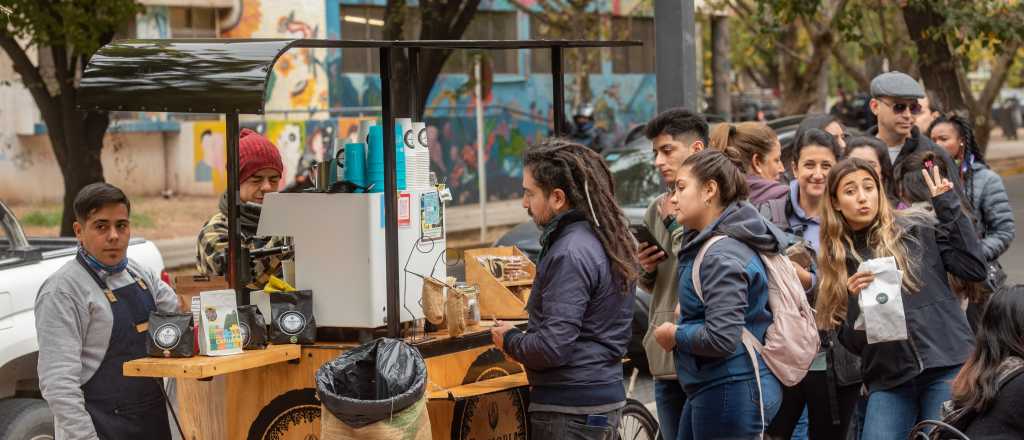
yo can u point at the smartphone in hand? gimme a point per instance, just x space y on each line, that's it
644 235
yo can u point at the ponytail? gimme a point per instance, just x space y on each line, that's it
742 142
708 165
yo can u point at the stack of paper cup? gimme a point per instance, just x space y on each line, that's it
375 158
419 159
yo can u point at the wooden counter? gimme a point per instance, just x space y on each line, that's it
202 367
271 394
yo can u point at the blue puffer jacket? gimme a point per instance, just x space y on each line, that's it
580 320
709 349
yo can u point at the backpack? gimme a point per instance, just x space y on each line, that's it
791 341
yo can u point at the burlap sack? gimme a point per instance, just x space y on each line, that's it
412 423
455 313
433 300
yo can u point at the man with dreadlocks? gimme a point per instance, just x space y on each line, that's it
581 307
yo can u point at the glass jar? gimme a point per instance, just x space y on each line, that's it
471 293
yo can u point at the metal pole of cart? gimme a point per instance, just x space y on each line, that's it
390 197
481 158
558 89
413 54
234 239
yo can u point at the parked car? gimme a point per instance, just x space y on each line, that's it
24 265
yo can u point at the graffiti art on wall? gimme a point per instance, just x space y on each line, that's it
290 138
299 80
320 141
517 114
153 23
209 154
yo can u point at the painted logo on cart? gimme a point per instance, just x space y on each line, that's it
292 415
494 416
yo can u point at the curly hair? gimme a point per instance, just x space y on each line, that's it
969 153
587 182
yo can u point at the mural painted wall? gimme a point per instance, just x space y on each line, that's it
299 80
517 113
518 110
154 22
210 154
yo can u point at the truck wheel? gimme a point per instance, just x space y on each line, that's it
25 419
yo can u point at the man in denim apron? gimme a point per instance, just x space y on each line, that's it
92 316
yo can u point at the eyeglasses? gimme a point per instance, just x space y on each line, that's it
900 107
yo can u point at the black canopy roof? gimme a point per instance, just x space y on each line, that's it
227 75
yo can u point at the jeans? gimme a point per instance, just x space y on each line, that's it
670 398
800 431
811 399
730 410
892 413
558 426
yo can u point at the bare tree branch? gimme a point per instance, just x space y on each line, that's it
858 74
999 73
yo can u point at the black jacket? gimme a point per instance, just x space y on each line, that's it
938 334
918 142
580 321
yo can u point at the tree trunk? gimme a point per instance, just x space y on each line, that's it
77 142
936 61
721 70
439 20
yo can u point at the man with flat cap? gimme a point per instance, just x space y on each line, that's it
895 102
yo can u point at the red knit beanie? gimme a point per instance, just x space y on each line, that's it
256 153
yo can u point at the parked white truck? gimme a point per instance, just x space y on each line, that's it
24 265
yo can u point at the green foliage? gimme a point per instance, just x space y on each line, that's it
46 219
51 218
990 23
81 24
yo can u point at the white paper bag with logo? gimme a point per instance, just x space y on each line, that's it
881 302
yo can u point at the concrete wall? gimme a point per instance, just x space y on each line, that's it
132 161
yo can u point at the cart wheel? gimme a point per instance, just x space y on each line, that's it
638 423
293 414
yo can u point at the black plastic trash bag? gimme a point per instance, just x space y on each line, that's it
372 382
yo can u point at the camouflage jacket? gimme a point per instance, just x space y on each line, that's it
212 252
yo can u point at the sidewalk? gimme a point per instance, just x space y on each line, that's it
1006 157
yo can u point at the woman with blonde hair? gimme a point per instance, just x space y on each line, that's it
756 148
907 380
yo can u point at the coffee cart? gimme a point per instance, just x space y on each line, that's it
473 389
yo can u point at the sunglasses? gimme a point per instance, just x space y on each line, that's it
900 107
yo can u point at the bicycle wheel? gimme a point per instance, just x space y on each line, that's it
637 422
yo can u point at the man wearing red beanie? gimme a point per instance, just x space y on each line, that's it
259 173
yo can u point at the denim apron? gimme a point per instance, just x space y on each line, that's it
126 407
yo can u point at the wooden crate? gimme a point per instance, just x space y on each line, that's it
188 286
499 299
